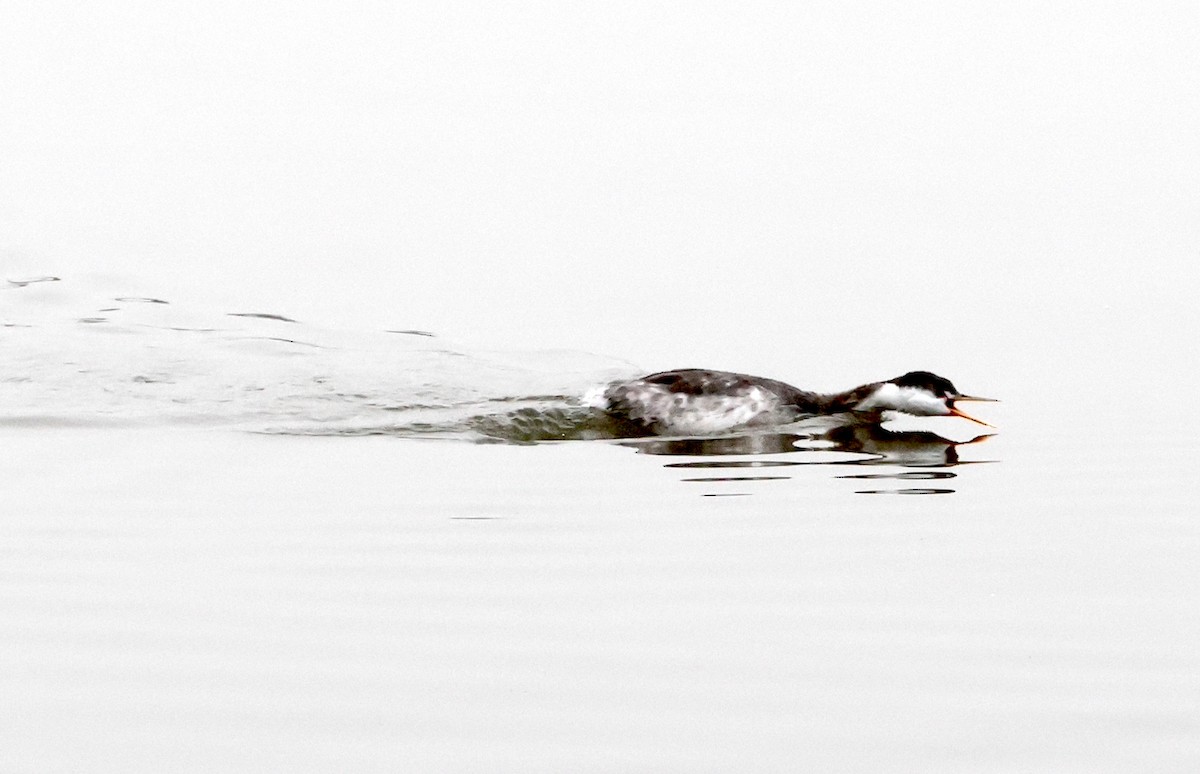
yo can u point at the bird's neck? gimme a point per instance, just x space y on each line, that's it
834 402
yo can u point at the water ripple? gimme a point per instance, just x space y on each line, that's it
78 355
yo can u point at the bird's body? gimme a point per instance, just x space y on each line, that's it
695 401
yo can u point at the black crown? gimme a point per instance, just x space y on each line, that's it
938 385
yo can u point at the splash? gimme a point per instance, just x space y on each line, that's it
86 354
79 353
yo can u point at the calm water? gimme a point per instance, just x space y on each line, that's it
240 543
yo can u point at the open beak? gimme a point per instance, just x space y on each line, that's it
958 413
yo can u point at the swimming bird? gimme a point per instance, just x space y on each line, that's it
696 401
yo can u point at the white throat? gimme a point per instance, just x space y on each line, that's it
910 400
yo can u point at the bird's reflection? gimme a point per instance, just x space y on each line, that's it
735 458
856 445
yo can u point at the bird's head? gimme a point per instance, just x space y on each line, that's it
920 393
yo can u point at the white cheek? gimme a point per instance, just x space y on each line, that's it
920 403
907 399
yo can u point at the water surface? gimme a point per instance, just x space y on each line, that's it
250 543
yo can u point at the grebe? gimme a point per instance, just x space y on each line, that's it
695 401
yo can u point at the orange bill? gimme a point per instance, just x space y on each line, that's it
958 413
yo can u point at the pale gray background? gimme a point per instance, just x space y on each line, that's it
732 185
